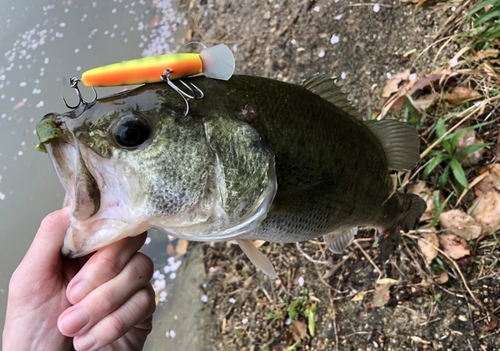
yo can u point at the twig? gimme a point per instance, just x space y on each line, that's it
471 185
446 25
309 258
334 318
336 267
368 258
381 5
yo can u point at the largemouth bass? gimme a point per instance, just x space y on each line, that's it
254 159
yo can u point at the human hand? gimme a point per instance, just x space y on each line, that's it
102 301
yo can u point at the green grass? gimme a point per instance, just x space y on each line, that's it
485 18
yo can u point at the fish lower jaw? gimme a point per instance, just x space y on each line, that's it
85 237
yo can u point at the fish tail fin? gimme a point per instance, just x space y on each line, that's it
218 62
413 207
257 257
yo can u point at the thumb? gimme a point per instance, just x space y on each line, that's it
46 246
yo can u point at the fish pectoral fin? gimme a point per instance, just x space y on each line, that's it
338 240
400 142
257 257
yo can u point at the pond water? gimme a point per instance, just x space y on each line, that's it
42 45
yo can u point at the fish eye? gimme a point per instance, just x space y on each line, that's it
130 132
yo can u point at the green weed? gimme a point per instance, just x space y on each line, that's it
449 156
485 17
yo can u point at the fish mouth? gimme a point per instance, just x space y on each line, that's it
104 231
100 207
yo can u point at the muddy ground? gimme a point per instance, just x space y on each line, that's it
246 310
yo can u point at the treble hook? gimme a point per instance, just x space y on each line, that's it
73 82
196 94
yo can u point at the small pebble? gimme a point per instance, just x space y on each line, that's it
334 39
376 8
204 298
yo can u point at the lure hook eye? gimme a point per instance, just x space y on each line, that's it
194 93
73 82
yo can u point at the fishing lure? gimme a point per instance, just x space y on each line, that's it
213 62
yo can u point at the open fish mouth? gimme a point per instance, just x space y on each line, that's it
98 197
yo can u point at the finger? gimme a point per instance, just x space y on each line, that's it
108 297
46 246
103 266
136 314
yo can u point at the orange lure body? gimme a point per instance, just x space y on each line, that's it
214 62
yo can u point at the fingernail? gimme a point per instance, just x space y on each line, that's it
73 321
84 342
78 292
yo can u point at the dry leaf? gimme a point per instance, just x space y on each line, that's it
359 296
421 189
467 139
393 83
424 101
485 185
483 54
460 224
421 83
441 277
486 211
382 293
454 246
299 330
460 95
492 325
495 176
396 101
419 340
428 244
181 247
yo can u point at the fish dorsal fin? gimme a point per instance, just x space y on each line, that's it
400 142
338 240
325 85
257 257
